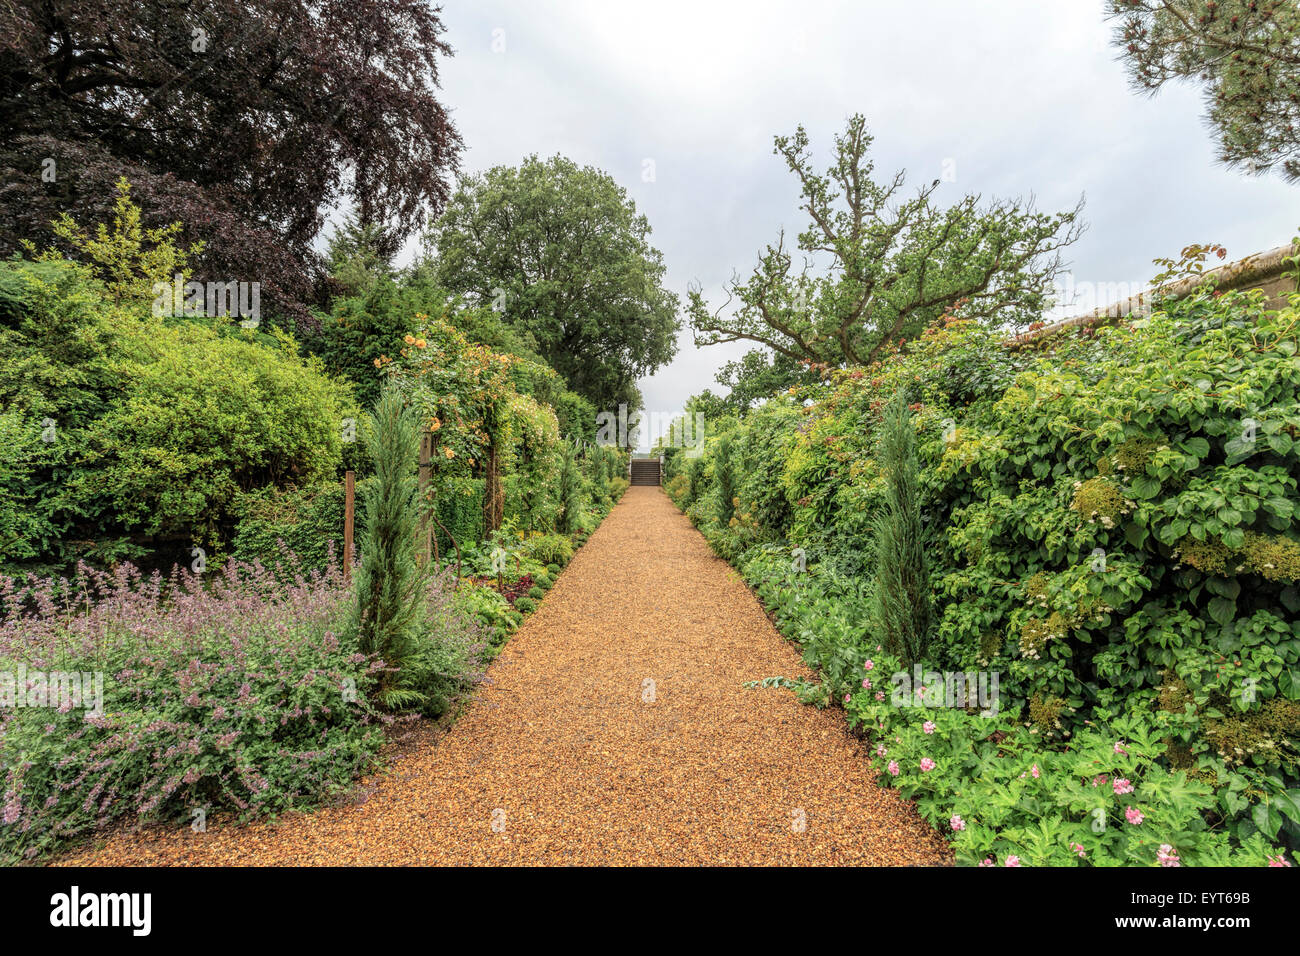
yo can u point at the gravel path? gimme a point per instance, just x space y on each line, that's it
571 756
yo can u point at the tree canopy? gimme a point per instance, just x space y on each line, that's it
877 268
1247 55
562 253
245 120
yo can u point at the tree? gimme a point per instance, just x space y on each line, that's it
1247 55
245 119
758 375
390 585
562 253
902 595
889 266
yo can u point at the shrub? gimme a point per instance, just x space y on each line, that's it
550 549
525 605
902 585
536 592
245 694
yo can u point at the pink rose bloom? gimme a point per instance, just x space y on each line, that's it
869 664
927 764
1167 856
1034 771
1078 850
1122 786
928 726
1278 860
893 767
1133 815
1013 860
957 823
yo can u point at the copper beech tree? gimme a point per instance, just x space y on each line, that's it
245 119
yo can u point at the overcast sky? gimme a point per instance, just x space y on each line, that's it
1016 96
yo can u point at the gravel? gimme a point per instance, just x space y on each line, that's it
615 731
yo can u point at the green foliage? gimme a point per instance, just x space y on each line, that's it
135 435
902 579
1110 526
521 240
570 494
552 550
308 522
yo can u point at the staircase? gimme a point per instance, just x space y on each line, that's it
645 471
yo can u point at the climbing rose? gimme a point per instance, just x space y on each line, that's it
1133 815
893 767
1013 860
927 764
957 823
1167 855
928 726
1122 786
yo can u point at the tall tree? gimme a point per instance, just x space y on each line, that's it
1247 55
245 119
562 252
878 268
902 594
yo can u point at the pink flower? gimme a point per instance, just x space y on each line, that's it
1119 748
847 698
1133 815
893 767
928 726
927 765
1122 786
866 684
881 751
1100 778
1078 850
1167 856
987 861
880 695
869 664
957 823
1278 860
1034 771
1013 860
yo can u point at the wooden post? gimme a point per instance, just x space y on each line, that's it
349 515
424 543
